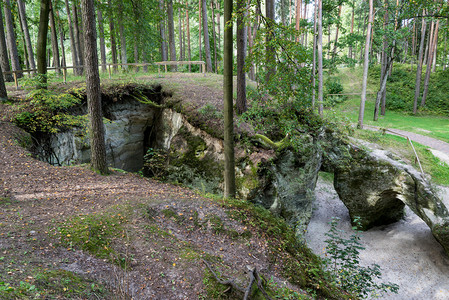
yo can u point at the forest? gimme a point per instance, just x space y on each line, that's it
219 149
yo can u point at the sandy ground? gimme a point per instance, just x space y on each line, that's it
406 251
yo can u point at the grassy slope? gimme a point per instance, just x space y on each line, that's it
433 126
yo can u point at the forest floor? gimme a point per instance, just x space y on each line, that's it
158 233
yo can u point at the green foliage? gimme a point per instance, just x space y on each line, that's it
46 111
332 87
210 111
52 284
155 163
344 263
93 233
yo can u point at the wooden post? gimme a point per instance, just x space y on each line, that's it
109 69
64 75
165 65
15 79
204 68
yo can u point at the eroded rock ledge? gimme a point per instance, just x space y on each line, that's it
373 184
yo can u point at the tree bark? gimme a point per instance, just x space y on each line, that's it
164 55
206 37
419 67
102 43
181 57
78 40
42 43
11 39
171 33
270 51
121 28
26 32
229 174
314 51
4 59
61 40
54 40
334 52
320 57
96 126
199 29
3 92
352 29
429 63
365 66
112 34
241 53
189 51
214 36
75 61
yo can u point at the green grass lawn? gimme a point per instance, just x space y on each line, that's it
429 125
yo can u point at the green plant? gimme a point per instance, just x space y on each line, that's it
155 163
210 111
344 264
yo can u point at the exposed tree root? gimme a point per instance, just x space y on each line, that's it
254 277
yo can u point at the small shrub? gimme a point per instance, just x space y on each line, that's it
344 264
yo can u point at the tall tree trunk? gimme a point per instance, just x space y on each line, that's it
11 39
365 66
429 41
432 45
218 25
136 11
419 67
164 53
112 34
42 43
384 60
320 57
77 34
96 126
4 60
54 40
229 173
171 33
314 51
26 32
297 19
61 40
102 43
189 51
214 36
206 37
75 61
352 29
199 29
334 52
3 92
270 51
121 28
241 52
181 57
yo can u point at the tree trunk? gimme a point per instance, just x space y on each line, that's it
96 126
4 60
11 39
270 51
61 40
112 34
229 173
320 57
241 53
171 33
199 30
384 60
297 19
3 93
206 37
102 43
164 55
189 51
352 29
75 61
218 25
365 66
26 32
121 28
314 50
181 57
78 39
429 41
334 52
214 35
42 43
419 67
54 40
432 45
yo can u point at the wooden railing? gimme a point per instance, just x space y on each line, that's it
108 66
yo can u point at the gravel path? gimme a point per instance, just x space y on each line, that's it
406 251
419 138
